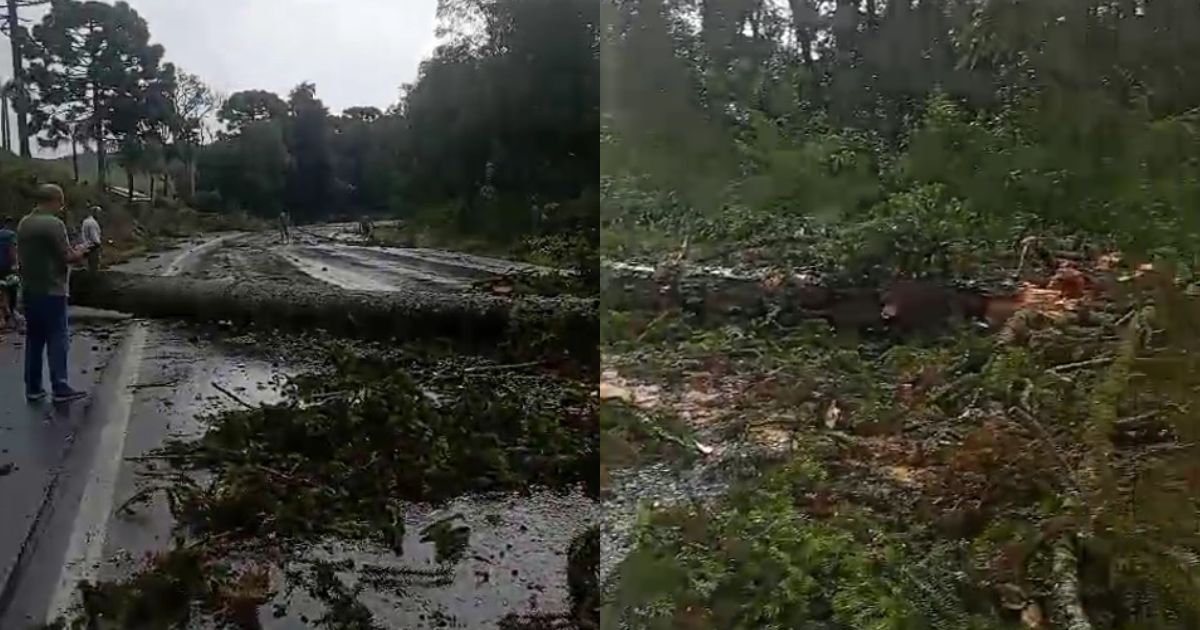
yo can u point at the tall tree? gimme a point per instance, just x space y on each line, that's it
17 36
248 171
192 103
96 59
504 117
5 132
243 108
310 185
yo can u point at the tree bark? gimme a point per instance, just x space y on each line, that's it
74 155
4 130
101 149
20 99
191 168
711 295
715 297
476 320
802 16
1069 613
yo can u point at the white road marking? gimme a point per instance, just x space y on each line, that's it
343 278
90 530
176 265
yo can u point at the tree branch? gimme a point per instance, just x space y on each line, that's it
1067 605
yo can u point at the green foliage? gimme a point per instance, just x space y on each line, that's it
95 76
162 596
249 172
813 172
250 106
583 580
503 118
1143 538
329 460
450 539
631 436
20 177
496 138
979 125
756 562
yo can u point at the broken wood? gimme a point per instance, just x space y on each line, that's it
234 397
716 296
463 318
1069 613
708 293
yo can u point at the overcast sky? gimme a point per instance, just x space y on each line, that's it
358 52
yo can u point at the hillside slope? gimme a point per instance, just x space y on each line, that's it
88 170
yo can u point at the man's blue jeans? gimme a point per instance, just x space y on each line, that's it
46 332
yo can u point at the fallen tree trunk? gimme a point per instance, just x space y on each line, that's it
709 293
718 296
1069 613
472 319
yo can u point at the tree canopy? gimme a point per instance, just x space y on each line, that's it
91 64
1073 113
500 125
496 136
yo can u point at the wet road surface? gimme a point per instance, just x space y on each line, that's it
313 257
73 474
35 439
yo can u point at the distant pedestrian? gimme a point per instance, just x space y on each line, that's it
45 256
285 224
90 231
8 274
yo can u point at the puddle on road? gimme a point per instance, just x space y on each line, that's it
515 562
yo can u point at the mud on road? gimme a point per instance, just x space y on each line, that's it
313 258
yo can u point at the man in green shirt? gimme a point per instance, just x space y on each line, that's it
45 255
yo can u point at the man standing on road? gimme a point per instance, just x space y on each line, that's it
8 274
90 231
45 258
284 227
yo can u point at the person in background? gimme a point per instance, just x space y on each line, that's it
285 223
45 256
8 274
90 234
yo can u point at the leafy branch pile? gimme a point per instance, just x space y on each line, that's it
1044 475
351 447
356 441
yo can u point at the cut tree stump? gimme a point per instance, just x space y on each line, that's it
473 319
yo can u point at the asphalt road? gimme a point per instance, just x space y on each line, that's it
74 468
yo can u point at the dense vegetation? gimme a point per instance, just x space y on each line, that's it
495 138
983 119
